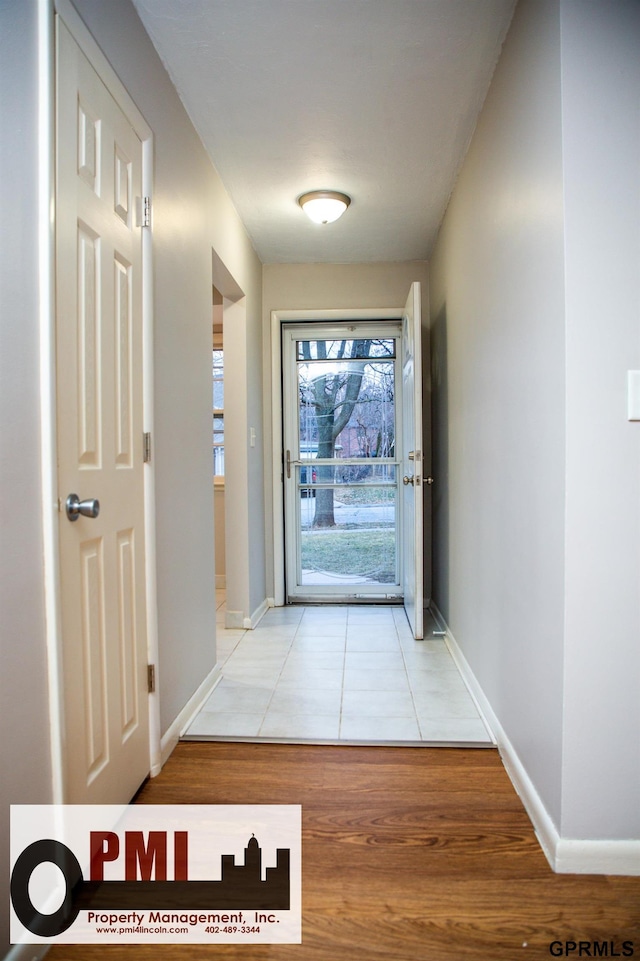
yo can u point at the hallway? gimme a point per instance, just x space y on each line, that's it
337 675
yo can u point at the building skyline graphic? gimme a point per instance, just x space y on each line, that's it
241 886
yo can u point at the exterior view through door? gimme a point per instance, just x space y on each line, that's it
352 461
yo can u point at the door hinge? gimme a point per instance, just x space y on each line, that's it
151 678
144 211
146 447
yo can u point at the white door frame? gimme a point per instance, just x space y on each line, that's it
278 318
236 489
50 493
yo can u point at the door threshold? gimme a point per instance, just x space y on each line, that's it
339 742
319 600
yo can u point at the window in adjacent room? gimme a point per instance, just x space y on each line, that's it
218 411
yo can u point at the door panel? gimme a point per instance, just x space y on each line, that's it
124 335
87 347
412 462
93 660
126 578
99 436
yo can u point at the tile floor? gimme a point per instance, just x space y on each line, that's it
333 674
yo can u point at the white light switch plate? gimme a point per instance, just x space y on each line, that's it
633 395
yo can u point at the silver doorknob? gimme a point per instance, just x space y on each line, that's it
408 480
429 481
74 507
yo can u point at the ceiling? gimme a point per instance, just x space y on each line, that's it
375 98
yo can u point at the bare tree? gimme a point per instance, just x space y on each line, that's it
374 429
333 395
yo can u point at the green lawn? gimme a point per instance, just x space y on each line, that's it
369 552
364 495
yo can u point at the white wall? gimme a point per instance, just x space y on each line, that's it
601 148
497 302
534 295
23 667
328 286
192 219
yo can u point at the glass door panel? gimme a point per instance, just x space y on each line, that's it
360 548
341 484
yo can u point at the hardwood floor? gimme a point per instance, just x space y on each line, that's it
414 854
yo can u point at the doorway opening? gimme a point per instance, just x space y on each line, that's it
230 428
338 346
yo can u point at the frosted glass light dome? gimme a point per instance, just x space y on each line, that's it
324 206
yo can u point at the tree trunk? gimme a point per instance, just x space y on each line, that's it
331 423
324 515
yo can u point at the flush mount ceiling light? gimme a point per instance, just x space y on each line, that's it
324 206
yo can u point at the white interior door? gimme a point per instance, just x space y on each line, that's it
99 436
412 462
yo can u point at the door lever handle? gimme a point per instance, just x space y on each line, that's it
74 507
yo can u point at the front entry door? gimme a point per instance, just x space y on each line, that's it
99 437
354 456
342 421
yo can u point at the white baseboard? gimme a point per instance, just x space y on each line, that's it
234 621
441 624
598 857
172 735
565 855
476 692
252 622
